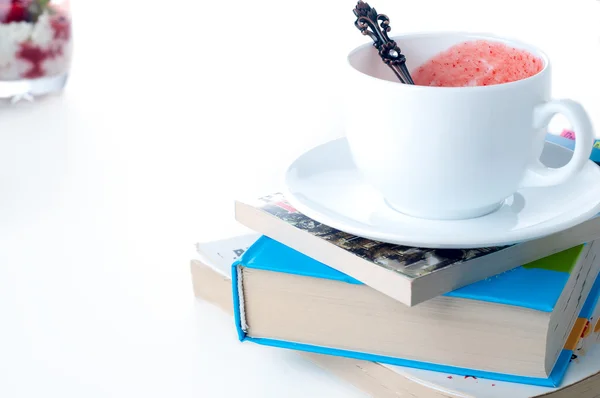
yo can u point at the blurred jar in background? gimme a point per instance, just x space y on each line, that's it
35 47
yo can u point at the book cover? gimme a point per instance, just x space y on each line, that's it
267 254
409 261
222 253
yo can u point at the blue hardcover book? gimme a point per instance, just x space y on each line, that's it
514 327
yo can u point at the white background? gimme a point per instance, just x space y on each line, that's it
173 110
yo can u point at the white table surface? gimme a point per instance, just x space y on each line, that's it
105 189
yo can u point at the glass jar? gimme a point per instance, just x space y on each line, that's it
35 47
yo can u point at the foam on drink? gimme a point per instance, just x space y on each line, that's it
477 63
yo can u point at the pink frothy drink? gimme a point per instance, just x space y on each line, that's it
477 63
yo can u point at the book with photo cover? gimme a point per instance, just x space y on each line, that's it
408 274
211 281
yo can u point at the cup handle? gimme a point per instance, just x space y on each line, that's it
538 175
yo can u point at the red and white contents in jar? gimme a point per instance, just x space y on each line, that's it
35 39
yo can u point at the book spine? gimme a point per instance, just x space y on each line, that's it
239 314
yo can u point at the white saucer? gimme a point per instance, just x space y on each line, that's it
325 185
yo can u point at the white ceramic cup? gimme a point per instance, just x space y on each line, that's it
453 152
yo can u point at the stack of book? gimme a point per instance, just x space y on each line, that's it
519 319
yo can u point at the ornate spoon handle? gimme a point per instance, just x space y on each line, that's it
366 22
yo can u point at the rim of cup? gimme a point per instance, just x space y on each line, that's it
468 36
